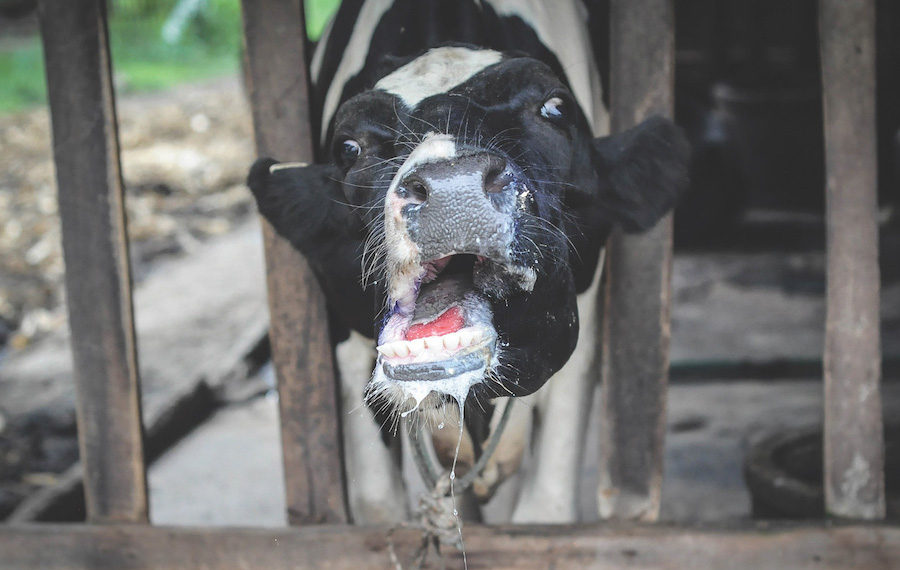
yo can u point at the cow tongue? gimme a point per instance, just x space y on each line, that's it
448 322
447 305
435 301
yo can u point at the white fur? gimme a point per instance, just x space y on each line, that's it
354 57
559 25
403 263
507 457
437 71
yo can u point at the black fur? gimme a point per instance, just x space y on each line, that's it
306 206
646 168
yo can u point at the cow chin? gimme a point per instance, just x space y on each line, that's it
439 340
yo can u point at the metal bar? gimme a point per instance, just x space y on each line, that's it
95 248
594 547
854 447
277 77
635 340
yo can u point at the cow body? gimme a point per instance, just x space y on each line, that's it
458 222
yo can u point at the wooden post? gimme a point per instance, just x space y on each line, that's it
511 547
95 248
854 447
277 77
635 340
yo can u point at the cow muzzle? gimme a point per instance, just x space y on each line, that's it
462 205
450 222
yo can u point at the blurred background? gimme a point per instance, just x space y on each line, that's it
185 150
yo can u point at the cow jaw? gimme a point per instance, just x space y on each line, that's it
439 340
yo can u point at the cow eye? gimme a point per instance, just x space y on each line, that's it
555 110
348 151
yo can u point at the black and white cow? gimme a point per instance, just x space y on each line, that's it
458 218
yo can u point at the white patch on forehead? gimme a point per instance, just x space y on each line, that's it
437 71
402 259
434 147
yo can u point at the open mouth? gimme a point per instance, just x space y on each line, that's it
439 338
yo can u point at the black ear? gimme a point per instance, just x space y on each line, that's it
304 203
643 172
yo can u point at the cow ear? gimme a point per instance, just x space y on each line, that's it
643 172
304 203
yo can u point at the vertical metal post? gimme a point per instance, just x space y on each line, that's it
854 448
635 349
95 248
277 77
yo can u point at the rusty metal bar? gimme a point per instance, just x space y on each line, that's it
635 344
95 248
277 77
854 447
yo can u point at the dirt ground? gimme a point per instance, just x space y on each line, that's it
185 154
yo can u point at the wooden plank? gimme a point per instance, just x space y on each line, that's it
635 340
274 35
854 448
595 547
95 248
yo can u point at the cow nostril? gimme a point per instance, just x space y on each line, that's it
496 177
414 189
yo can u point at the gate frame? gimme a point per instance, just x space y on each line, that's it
117 535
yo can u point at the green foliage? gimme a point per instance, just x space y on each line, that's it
318 12
210 45
22 73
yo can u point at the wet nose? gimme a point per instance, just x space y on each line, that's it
429 180
462 204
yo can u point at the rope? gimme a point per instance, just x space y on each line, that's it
426 467
429 472
435 514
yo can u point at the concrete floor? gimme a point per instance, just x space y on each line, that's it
726 308
228 471
225 473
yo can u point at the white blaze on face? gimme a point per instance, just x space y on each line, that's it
403 264
436 71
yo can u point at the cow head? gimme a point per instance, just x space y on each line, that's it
467 200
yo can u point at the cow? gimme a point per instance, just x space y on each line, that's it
456 219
